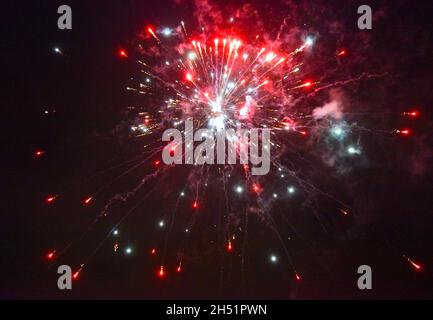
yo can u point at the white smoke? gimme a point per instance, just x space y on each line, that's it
333 109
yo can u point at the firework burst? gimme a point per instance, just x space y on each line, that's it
222 78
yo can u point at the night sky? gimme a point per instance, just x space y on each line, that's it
85 132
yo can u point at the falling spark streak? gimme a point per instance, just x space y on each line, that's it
416 266
77 273
404 132
153 34
344 212
183 27
229 246
161 272
51 255
412 114
39 153
51 199
342 53
123 54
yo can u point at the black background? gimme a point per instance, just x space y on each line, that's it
86 88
